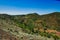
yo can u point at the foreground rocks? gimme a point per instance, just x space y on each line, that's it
7 36
22 36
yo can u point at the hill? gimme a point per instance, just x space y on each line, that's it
47 25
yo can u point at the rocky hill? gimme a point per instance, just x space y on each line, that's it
31 26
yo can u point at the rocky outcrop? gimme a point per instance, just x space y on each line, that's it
7 36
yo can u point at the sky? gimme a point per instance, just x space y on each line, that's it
18 7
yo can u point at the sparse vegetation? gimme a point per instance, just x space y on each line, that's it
32 24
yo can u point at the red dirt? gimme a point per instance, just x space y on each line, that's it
7 36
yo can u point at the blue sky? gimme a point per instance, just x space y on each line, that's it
14 7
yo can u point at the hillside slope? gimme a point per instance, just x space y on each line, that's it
28 27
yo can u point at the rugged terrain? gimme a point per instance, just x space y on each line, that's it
30 27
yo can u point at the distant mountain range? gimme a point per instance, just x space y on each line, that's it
47 25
